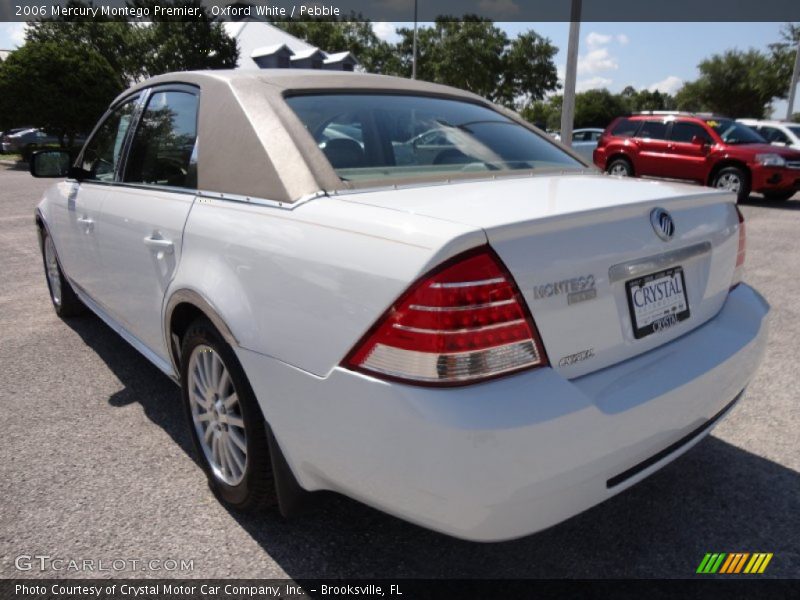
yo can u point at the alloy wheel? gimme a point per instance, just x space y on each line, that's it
729 181
217 415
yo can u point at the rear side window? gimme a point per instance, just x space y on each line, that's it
625 128
654 130
684 132
162 147
380 137
773 134
101 155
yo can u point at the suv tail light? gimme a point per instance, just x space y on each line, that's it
464 321
738 272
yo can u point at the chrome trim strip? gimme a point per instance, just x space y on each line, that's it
457 331
259 201
463 284
650 264
420 307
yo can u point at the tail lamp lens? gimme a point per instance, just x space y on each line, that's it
464 321
738 272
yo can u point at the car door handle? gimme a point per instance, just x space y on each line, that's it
88 224
161 244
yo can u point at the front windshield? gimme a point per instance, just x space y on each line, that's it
732 132
379 136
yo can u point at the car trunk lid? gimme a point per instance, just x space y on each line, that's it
580 246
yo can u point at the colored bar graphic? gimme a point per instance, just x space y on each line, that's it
741 562
734 562
726 566
765 563
711 563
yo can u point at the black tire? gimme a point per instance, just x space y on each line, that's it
778 196
256 490
621 167
65 302
727 175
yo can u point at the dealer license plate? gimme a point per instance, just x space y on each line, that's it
657 301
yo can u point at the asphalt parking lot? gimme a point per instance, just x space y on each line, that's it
97 464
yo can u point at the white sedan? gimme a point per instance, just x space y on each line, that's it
484 338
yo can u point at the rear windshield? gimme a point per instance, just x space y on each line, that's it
732 132
794 130
375 136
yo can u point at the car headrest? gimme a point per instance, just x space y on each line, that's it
344 153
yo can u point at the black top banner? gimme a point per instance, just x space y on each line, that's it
404 10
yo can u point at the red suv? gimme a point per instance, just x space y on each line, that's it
714 151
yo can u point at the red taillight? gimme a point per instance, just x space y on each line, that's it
462 322
738 272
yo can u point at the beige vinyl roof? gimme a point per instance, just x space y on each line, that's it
252 144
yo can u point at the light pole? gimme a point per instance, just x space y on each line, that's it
793 86
568 102
414 44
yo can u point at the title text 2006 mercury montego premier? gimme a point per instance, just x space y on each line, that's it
400 292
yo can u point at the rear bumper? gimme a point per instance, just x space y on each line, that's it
512 456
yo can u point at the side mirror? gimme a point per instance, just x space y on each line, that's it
699 140
50 163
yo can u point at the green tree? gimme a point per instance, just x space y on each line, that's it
597 108
139 51
174 45
467 54
62 88
544 113
783 54
475 55
529 70
355 36
735 84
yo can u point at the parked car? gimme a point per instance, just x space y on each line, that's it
714 151
484 345
9 132
584 141
25 141
777 133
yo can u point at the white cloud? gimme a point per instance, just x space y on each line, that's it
596 61
12 34
669 85
592 83
385 31
594 39
622 39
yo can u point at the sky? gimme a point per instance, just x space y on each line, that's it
611 55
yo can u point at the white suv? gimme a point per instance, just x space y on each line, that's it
777 133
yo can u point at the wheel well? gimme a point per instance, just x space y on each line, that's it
619 155
183 315
726 163
40 229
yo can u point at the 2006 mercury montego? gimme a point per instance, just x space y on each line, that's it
398 291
